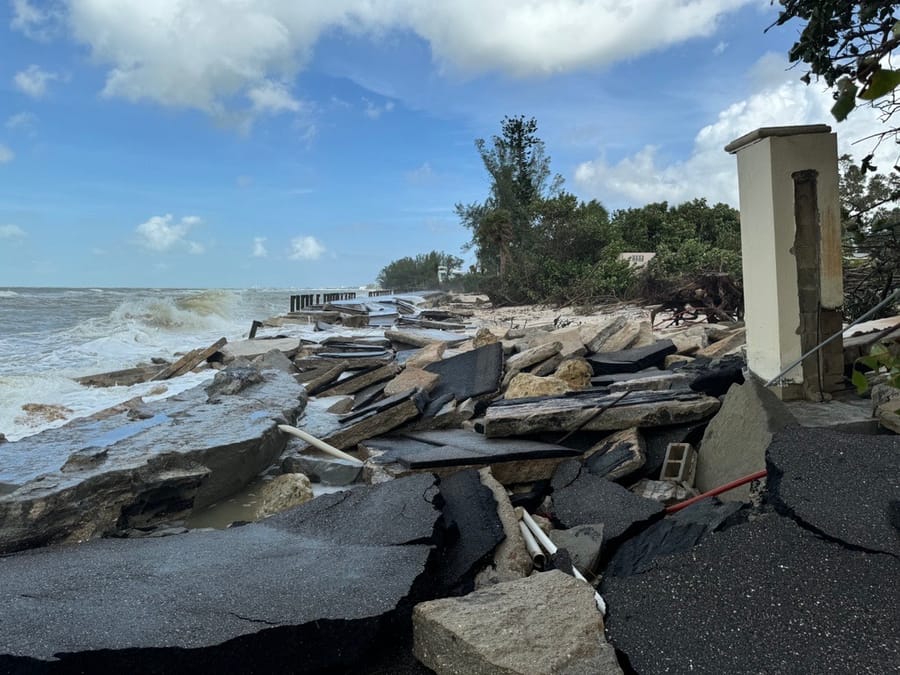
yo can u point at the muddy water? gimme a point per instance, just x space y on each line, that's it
242 506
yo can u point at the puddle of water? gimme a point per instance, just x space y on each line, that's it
242 506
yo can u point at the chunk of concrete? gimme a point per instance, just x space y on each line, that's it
729 344
595 336
511 559
569 338
277 360
661 382
617 455
412 378
839 485
94 476
580 410
378 418
430 353
322 468
734 444
632 360
250 349
530 357
545 623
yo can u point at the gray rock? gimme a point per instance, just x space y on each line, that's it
545 623
511 560
233 380
275 359
843 486
282 493
322 468
583 542
734 444
94 476
763 597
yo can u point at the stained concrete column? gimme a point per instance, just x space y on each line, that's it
791 250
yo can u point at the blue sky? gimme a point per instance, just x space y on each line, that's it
226 143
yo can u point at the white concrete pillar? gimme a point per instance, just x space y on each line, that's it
791 249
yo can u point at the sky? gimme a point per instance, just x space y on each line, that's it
298 143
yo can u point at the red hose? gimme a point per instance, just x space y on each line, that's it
717 491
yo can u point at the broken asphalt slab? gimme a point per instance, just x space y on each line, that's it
432 449
762 597
307 589
632 360
470 374
592 499
842 486
96 475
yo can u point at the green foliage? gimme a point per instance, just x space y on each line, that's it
417 273
846 44
879 359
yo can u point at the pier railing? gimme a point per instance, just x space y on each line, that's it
303 301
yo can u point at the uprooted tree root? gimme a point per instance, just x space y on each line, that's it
715 296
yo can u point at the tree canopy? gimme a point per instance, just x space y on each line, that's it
849 45
417 273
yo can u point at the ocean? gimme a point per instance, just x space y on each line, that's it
51 335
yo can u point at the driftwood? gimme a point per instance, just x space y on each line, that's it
190 360
714 296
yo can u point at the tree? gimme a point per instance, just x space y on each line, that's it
417 273
870 209
849 46
520 177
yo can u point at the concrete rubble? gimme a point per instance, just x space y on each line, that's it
394 538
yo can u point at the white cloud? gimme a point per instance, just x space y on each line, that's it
720 48
305 248
6 155
373 111
273 98
163 233
709 171
259 247
38 23
33 81
204 53
23 121
11 232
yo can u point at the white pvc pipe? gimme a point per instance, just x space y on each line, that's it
538 533
531 545
316 443
550 547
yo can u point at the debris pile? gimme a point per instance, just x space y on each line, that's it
459 498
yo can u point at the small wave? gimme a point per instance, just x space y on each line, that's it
8 294
197 311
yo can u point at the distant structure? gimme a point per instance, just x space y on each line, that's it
637 259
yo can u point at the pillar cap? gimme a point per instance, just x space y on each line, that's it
767 132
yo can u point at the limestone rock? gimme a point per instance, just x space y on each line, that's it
233 380
595 335
275 359
545 623
688 343
569 338
534 355
730 343
576 372
282 493
511 560
427 354
663 491
675 359
734 444
661 382
484 337
525 385
645 336
548 367
412 378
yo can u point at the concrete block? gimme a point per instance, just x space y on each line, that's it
680 464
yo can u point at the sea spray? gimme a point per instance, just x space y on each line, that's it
54 335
